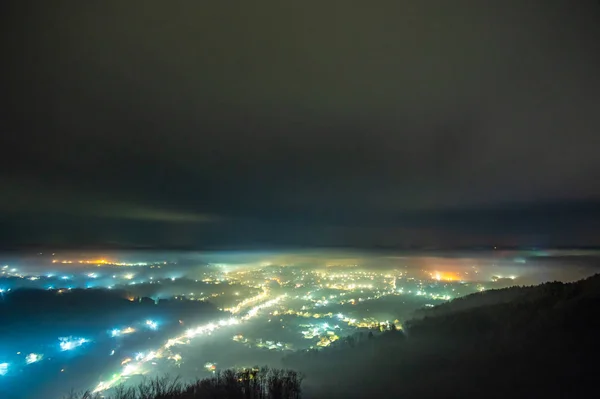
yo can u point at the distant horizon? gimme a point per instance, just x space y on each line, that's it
33 249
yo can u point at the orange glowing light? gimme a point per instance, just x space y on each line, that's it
444 276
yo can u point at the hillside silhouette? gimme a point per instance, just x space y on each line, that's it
539 341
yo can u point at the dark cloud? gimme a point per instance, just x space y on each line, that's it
391 122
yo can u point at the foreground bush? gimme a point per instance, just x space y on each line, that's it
263 383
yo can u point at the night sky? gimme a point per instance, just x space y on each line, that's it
229 124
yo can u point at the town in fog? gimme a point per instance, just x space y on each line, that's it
82 321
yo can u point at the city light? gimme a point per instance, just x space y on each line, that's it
130 368
210 366
33 358
141 358
316 306
70 343
152 324
117 332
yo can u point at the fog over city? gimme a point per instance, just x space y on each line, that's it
93 321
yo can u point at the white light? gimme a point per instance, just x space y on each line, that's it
69 343
190 333
3 368
152 324
130 369
33 358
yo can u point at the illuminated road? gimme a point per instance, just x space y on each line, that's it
142 363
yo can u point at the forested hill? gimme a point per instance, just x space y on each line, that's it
552 292
539 341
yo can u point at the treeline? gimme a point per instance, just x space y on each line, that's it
255 383
555 306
